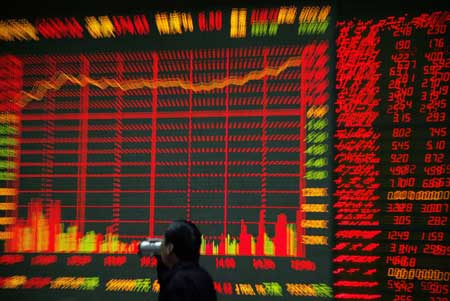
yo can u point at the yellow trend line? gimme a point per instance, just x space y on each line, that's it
41 88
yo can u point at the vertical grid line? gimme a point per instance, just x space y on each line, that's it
189 167
302 172
49 145
153 146
262 217
227 115
83 148
118 149
17 110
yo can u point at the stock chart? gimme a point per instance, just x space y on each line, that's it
309 146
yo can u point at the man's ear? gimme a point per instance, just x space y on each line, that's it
169 248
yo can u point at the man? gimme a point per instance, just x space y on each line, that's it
180 276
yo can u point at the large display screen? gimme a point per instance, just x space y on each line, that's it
308 145
392 161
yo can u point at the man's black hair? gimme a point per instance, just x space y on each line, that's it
186 240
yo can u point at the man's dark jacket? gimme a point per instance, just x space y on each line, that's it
186 281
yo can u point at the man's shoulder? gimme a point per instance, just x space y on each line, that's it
191 275
192 269
195 281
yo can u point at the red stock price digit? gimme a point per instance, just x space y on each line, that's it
210 21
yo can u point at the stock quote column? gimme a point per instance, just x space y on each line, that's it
393 171
10 84
115 143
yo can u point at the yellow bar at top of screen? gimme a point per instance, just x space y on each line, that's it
8 206
8 191
6 235
14 281
7 220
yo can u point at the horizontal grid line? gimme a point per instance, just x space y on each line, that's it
148 175
176 163
164 115
158 191
178 206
